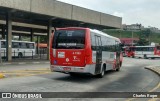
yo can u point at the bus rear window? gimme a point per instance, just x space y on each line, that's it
158 47
69 39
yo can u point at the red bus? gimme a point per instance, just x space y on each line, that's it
124 51
130 51
84 50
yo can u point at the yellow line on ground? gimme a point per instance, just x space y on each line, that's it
1 76
25 72
34 70
130 99
33 74
153 99
155 88
28 74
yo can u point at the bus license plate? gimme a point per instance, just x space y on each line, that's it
66 68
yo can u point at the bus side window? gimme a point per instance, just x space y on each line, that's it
15 45
31 46
151 49
103 39
3 44
93 43
27 45
23 45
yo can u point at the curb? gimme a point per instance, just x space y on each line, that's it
155 69
1 76
22 63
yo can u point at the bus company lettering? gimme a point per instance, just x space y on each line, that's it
75 58
76 53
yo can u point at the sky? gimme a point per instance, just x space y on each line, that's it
145 12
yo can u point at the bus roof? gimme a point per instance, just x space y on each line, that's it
93 30
105 34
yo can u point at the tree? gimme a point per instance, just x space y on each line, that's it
144 37
43 39
142 42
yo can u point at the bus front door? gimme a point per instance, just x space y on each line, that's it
98 54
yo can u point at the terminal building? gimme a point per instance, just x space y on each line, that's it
35 18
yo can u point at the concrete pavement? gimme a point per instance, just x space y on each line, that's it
23 62
23 68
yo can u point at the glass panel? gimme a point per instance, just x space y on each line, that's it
69 39
3 44
15 45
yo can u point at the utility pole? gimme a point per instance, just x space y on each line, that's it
132 38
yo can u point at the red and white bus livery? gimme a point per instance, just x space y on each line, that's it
130 51
84 50
147 51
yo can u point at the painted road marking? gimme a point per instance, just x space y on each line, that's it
21 63
19 73
155 88
36 62
153 99
1 76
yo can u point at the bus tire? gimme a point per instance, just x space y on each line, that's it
145 56
101 75
118 67
20 55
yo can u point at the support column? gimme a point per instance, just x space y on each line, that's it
3 31
32 35
49 32
9 37
37 45
20 37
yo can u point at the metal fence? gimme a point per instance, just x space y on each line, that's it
41 54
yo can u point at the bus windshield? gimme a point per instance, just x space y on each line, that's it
69 39
158 47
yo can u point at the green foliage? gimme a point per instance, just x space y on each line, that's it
121 33
142 42
43 39
144 35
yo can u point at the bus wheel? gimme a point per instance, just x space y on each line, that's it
20 55
101 75
145 56
118 67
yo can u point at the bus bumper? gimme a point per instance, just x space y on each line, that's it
72 69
